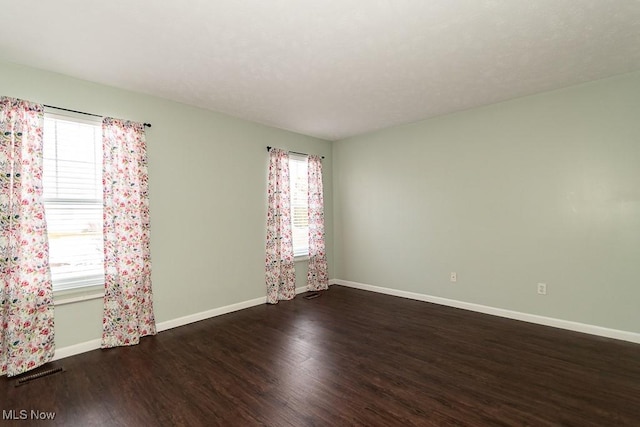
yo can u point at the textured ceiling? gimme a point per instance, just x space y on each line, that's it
327 68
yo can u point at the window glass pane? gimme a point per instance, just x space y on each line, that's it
72 187
299 205
75 241
72 160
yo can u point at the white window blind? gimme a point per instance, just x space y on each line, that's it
299 204
72 187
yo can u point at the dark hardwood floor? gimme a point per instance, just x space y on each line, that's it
349 357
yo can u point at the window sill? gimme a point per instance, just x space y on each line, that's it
78 295
301 258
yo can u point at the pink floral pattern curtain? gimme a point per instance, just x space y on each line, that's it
317 276
280 273
128 302
26 296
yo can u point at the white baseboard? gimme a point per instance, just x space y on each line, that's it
83 347
516 315
72 350
196 317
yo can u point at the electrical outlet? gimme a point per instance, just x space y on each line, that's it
453 277
542 288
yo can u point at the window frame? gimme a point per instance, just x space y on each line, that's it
76 285
300 251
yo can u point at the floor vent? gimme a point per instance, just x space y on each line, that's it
37 375
312 296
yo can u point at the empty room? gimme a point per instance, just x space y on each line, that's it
320 213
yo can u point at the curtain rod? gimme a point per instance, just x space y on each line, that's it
292 152
86 114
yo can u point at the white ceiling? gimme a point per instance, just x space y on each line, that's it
327 68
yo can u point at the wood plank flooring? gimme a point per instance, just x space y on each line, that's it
349 357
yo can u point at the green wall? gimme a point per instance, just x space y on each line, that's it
544 188
207 177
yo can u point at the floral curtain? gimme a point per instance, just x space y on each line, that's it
280 273
317 276
128 303
26 296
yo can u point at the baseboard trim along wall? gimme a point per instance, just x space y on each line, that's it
83 347
72 350
516 315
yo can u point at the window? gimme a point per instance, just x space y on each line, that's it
72 187
299 204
